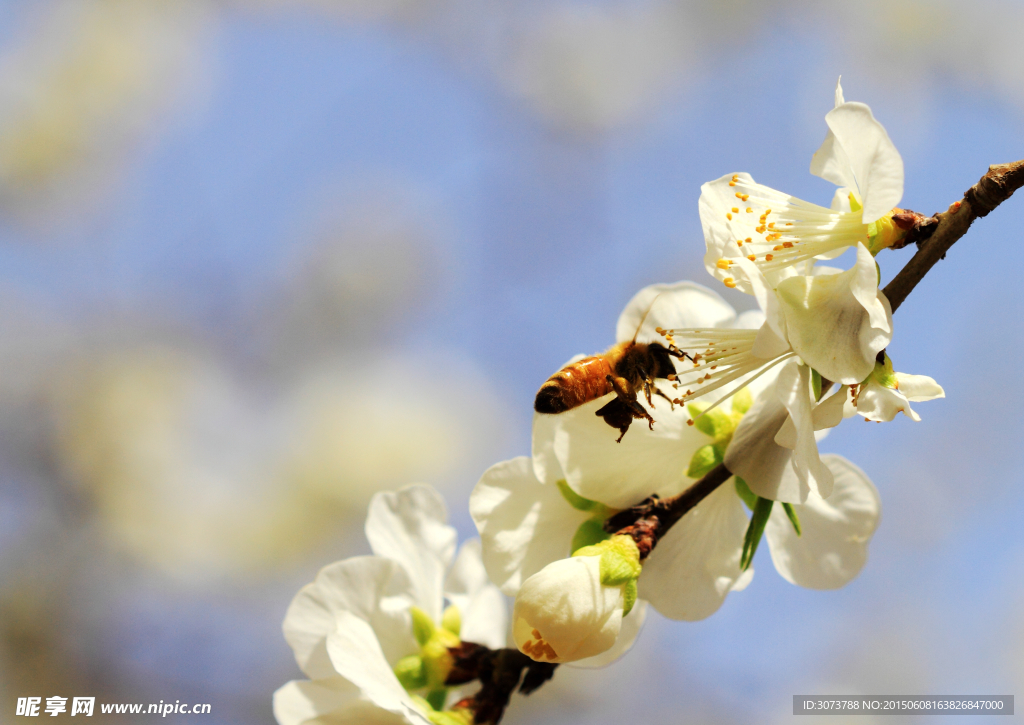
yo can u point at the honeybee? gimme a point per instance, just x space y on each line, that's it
624 368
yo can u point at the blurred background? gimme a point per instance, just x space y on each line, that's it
262 258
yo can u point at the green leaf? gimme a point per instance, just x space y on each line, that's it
704 459
762 510
589 533
744 492
410 672
422 625
742 401
793 518
716 423
629 596
575 500
452 619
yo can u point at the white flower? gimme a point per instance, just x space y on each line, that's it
527 526
698 562
836 322
573 609
366 616
885 393
775 231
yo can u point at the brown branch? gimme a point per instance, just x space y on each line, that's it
499 672
935 235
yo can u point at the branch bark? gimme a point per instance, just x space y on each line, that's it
938 233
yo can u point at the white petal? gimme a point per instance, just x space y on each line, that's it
697 563
918 388
879 403
623 474
829 412
835 531
679 305
831 162
410 526
839 92
793 388
481 605
524 524
334 700
376 590
632 623
837 323
871 156
754 456
357 657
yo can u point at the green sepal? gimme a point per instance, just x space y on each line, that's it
755 530
816 383
793 518
411 673
744 492
716 423
422 625
620 559
628 596
452 619
462 716
884 374
589 533
575 500
436 698
742 401
704 459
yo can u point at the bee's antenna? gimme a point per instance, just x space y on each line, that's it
644 318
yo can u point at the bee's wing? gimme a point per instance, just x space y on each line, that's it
679 305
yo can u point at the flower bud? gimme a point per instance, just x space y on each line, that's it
573 608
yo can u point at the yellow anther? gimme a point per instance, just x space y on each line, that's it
777 249
748 240
752 258
768 257
739 242
735 210
772 225
723 264
787 245
729 282
729 217
749 210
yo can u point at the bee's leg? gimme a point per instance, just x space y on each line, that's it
648 383
625 393
617 415
657 391
676 352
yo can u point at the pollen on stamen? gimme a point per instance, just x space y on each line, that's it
739 242
752 258
723 264
787 245
748 240
778 248
735 210
768 257
729 217
749 210
729 282
689 422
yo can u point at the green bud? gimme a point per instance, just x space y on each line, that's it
884 374
575 500
755 530
793 519
436 698
410 672
422 625
742 401
816 383
589 533
462 716
744 492
704 459
717 423
452 619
